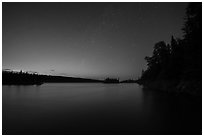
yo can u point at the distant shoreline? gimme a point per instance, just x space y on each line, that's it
27 84
25 78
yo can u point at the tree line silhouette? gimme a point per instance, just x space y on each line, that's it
178 66
10 77
21 78
25 78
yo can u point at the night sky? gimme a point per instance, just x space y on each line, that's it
92 40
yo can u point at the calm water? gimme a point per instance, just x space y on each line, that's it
97 109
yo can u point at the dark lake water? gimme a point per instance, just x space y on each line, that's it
67 108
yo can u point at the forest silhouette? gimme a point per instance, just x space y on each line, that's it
177 67
25 78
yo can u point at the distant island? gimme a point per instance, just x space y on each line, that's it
129 81
10 77
111 80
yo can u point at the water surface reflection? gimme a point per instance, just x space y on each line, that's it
97 109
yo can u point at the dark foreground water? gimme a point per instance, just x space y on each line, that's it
97 109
